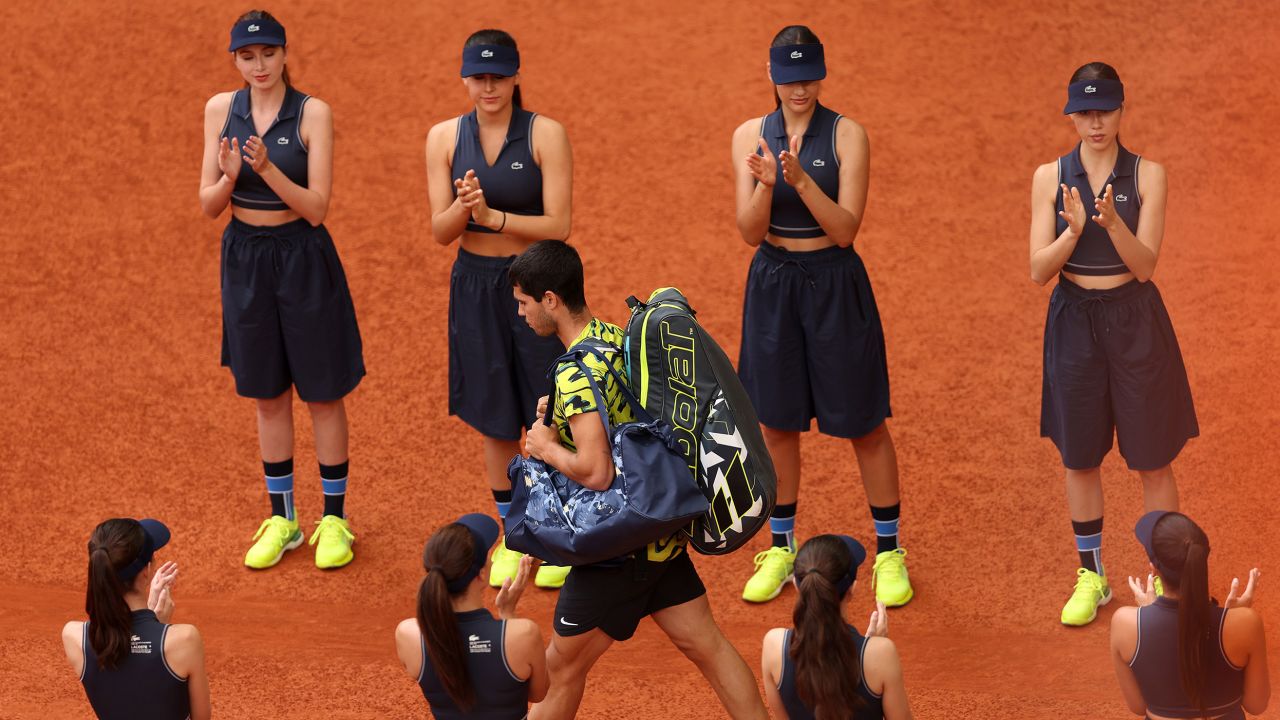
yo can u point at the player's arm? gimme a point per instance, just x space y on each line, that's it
1124 643
448 216
1139 252
555 159
882 654
590 465
409 646
72 635
312 201
184 652
1050 253
754 176
771 670
841 219
216 183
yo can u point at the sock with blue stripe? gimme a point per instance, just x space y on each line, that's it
333 478
279 477
502 498
1089 543
782 523
886 521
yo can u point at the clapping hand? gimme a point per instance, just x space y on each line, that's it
255 153
1246 599
879 623
1143 596
160 596
1072 210
229 160
511 590
792 172
1106 208
762 166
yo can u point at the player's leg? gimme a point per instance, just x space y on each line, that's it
878 466
569 659
280 532
333 537
694 632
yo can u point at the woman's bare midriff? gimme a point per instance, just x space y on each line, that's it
493 245
799 244
263 218
1098 282
1154 716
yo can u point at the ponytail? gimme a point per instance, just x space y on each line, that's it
448 555
113 545
822 647
1193 623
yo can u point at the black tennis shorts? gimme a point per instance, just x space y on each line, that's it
615 598
287 315
1112 367
812 343
498 366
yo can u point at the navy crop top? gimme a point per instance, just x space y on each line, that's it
1155 665
788 216
513 183
1095 254
283 141
872 708
141 686
500 695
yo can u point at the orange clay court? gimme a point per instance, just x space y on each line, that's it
109 320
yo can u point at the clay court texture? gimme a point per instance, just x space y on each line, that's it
109 320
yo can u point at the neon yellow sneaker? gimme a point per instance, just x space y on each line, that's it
1092 591
504 564
335 539
275 536
774 567
889 577
551 576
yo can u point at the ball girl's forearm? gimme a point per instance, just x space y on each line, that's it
1048 260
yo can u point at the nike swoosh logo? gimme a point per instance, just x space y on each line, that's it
566 622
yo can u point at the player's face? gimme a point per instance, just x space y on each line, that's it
1098 128
533 312
491 92
261 66
799 96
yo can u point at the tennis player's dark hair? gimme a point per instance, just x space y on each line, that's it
501 38
1094 71
550 265
447 557
792 35
264 15
1183 551
113 545
822 647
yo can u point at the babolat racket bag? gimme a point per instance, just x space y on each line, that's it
652 495
684 379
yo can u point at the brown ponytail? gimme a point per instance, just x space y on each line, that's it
447 557
1182 549
113 545
822 646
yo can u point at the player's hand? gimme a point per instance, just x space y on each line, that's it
464 184
1144 596
1246 599
1072 210
879 623
792 172
511 590
160 596
229 161
762 165
1106 208
542 406
539 438
255 153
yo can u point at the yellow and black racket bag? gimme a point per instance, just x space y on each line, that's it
683 378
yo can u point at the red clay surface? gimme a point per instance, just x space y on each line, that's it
110 319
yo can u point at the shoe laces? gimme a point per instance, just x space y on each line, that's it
329 525
278 525
1087 582
889 564
773 556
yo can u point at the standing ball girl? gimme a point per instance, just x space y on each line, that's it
500 178
1112 367
287 316
812 344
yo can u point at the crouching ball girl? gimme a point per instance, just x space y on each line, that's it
287 316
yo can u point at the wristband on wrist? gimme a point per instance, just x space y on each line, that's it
504 221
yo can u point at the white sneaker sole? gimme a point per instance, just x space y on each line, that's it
776 592
1105 599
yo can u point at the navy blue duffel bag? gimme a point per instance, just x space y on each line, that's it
652 496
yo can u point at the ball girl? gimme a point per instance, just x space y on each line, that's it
500 177
287 316
132 662
822 668
812 343
467 663
1112 367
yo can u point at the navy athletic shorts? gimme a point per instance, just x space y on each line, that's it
616 597
498 366
1112 367
812 344
287 315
